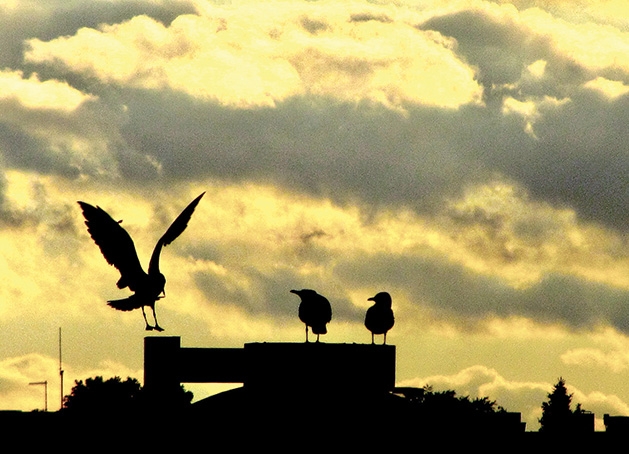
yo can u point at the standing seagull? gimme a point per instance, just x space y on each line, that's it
379 318
118 249
314 310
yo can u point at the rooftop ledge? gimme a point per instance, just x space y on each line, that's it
270 365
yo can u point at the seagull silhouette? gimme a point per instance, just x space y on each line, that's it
118 249
379 318
314 310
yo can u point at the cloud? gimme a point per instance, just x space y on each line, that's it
469 157
592 357
33 94
428 151
575 157
493 253
15 376
26 19
17 373
480 381
45 124
239 60
50 127
601 404
455 292
610 88
609 353
523 397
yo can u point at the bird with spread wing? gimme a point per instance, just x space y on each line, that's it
118 249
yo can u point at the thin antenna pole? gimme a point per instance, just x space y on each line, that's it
60 370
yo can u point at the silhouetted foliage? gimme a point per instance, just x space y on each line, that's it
448 402
445 411
106 397
557 416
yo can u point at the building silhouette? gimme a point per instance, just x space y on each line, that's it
307 387
293 396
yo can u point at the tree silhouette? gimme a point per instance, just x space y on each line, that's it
114 396
445 411
103 396
448 403
557 416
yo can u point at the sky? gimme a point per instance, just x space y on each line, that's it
469 157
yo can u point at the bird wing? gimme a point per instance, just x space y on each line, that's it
175 229
326 309
371 319
115 244
321 314
127 304
379 319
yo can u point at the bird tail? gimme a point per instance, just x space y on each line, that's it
319 329
126 304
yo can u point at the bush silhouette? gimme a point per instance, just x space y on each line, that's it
114 396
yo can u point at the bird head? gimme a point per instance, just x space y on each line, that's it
382 298
304 292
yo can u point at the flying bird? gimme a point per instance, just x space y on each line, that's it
314 310
379 318
118 249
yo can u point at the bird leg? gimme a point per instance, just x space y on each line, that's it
385 339
148 327
156 327
372 339
306 333
317 338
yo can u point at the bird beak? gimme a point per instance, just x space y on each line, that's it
296 292
373 298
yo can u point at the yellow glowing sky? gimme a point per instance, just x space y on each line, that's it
469 157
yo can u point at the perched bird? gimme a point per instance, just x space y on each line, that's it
118 249
379 318
314 310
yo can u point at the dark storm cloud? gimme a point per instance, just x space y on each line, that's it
19 146
268 294
22 150
501 50
376 157
53 141
57 219
463 296
580 158
335 150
